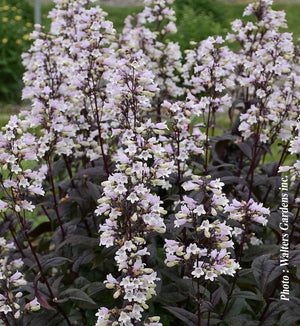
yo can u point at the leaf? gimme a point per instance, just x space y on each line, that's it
294 258
187 317
95 171
69 228
85 258
76 197
235 308
80 239
260 180
222 146
269 168
42 300
224 165
246 295
152 258
57 281
95 288
170 294
246 149
65 185
58 168
255 251
43 318
243 320
265 270
75 294
272 316
233 179
55 261
288 318
40 229
216 296
94 190
224 284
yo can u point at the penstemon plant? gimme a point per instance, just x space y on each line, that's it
146 186
134 212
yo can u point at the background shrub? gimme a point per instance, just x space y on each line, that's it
198 19
16 23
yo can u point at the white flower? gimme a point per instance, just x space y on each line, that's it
284 169
210 275
120 189
133 197
205 226
125 319
5 308
199 210
198 272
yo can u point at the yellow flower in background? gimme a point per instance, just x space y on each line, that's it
28 24
26 37
5 19
18 18
5 7
14 8
18 41
4 40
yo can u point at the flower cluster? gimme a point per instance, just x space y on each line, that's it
264 74
11 280
147 33
204 249
246 213
134 212
209 257
17 182
73 62
183 138
208 70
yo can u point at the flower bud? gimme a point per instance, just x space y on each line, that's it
117 294
148 270
110 285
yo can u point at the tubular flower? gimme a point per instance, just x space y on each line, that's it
134 213
73 62
204 251
17 183
12 280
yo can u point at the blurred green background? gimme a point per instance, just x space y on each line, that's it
196 20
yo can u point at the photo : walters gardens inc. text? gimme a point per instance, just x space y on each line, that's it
149 185
284 249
